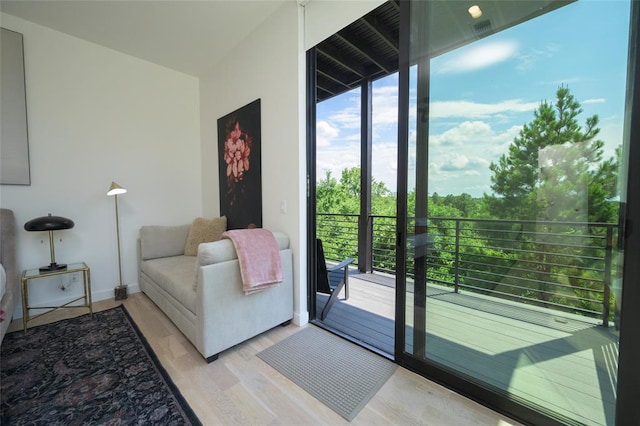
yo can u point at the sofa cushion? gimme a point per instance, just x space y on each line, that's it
162 241
175 276
204 231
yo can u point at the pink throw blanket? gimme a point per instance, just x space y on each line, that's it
259 257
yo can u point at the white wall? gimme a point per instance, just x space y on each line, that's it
270 64
323 18
267 66
96 115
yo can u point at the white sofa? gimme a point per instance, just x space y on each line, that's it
203 294
8 271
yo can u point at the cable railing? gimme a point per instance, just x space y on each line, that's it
566 266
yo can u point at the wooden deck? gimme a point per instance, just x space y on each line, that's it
557 361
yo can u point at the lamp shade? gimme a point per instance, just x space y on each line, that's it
116 189
48 223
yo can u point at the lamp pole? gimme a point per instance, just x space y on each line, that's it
120 290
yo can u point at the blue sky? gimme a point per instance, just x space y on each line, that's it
483 93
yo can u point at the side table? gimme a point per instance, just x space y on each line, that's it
34 274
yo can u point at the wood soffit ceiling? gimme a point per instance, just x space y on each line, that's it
368 48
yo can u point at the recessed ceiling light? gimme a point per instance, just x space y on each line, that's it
475 11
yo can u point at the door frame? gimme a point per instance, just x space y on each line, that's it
627 408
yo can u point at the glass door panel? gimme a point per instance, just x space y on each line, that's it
514 168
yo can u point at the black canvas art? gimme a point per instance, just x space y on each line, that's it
240 168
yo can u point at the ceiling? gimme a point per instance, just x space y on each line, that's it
184 35
191 36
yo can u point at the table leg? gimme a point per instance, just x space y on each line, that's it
87 290
25 304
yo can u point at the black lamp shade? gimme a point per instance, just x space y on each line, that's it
48 223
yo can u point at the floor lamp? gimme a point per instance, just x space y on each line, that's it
115 190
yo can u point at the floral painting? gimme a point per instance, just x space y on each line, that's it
239 169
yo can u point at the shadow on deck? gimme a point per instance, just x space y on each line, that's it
559 361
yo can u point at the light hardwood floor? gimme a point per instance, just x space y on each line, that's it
240 389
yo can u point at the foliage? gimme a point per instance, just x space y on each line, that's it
554 169
553 173
343 196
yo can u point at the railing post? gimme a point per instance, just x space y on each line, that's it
456 262
606 295
600 270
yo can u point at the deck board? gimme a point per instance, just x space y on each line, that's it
554 360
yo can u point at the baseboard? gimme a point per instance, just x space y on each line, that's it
108 293
96 296
300 318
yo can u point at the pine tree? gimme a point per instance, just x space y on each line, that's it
554 169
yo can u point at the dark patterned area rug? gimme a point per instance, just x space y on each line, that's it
88 370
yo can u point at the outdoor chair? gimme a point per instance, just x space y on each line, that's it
331 279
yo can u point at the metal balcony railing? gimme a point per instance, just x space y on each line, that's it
566 266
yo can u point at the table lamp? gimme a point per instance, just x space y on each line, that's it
50 223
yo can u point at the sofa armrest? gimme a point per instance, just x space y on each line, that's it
8 245
226 316
223 250
216 252
9 263
163 241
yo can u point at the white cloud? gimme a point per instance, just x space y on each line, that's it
462 141
385 106
325 133
348 118
594 101
527 61
566 81
390 90
460 156
502 140
460 162
476 57
337 158
447 109
385 164
467 132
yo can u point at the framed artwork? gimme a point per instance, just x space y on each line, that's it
240 167
14 141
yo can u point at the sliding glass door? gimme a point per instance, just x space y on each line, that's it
515 138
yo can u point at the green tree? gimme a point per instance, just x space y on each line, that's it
350 182
327 196
333 196
554 169
464 202
341 199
